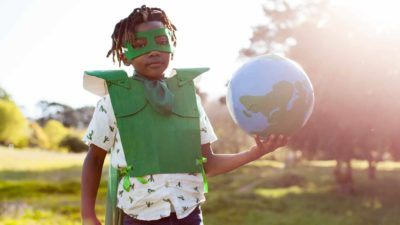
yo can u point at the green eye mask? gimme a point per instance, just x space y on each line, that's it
151 44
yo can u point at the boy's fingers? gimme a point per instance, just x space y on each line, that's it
281 139
287 139
271 138
278 141
258 142
273 141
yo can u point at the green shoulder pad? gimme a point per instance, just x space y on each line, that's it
108 75
182 85
187 74
95 81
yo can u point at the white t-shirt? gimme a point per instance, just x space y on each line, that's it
163 193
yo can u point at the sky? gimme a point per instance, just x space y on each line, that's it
45 45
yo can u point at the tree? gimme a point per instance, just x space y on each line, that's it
68 116
14 129
4 95
354 70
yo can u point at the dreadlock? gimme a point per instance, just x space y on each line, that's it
125 29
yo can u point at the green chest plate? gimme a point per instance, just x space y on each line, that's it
155 143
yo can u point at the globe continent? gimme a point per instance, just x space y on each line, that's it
270 94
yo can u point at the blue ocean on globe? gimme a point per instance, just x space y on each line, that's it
270 94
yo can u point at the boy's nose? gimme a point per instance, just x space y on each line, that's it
155 52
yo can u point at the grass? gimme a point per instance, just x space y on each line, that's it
303 195
37 160
43 188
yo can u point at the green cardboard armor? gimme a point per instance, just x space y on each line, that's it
173 137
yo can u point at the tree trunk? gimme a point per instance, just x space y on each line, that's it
344 177
371 169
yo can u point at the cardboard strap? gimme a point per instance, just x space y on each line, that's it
113 215
125 173
201 162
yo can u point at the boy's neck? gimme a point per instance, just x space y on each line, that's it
148 78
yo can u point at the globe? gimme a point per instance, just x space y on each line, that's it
270 94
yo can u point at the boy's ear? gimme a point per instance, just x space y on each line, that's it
125 60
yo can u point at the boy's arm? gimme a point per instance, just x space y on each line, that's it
91 175
222 163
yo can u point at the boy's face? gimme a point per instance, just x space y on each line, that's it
154 63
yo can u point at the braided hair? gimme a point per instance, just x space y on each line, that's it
125 29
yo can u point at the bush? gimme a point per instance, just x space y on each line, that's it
73 144
56 133
38 137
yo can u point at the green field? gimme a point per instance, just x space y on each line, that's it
43 188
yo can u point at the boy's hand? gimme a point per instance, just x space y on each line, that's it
91 221
269 145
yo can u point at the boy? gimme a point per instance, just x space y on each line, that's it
156 130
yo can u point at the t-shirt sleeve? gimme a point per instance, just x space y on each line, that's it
102 128
207 133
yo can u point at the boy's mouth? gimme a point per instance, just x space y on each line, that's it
155 63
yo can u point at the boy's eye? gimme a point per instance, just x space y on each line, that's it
162 40
139 43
